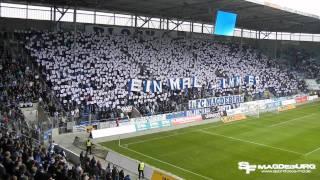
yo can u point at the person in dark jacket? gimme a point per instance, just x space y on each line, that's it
115 173
121 175
127 177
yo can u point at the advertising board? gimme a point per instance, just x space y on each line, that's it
175 115
301 99
287 107
186 120
159 121
213 115
151 122
310 98
272 106
236 117
79 128
142 123
234 111
288 102
157 175
113 131
195 112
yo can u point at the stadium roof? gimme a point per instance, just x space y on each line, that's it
250 15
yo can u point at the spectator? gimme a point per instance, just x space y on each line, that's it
115 173
121 175
127 177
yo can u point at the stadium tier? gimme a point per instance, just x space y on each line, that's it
98 74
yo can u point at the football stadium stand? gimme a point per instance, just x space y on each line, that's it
97 77
73 81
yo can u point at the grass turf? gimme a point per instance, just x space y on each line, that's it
212 151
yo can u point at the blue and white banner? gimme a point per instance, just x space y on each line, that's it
215 101
179 84
237 81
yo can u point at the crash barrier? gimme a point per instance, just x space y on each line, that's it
253 108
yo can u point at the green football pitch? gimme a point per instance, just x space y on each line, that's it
212 151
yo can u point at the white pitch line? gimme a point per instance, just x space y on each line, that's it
298 118
246 141
172 165
157 138
308 153
234 122
177 134
226 124
210 127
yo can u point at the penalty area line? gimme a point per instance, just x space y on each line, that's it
163 162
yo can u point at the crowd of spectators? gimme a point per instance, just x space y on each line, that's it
22 158
20 83
305 63
94 74
94 168
16 86
92 77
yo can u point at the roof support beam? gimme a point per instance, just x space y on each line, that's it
145 21
176 24
62 13
267 34
170 30
136 22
